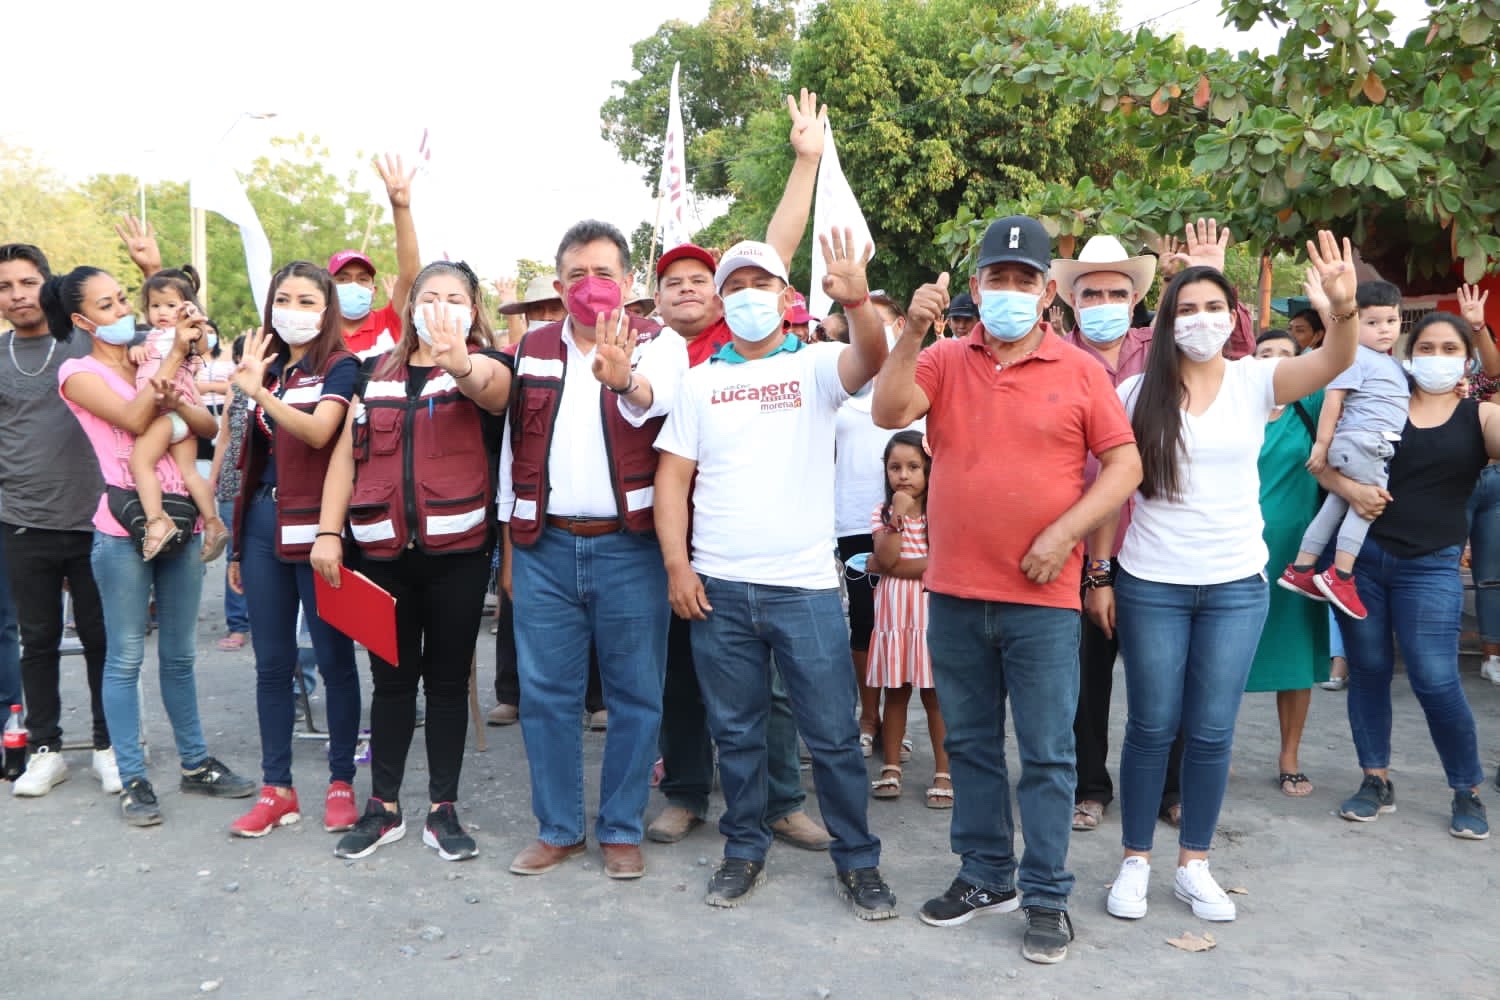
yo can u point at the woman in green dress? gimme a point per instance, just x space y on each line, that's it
1293 650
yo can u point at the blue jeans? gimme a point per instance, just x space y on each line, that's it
125 585
732 651
568 589
984 652
10 641
1420 599
236 615
1484 545
1187 651
273 590
687 752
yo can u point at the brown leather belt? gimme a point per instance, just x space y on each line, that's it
586 527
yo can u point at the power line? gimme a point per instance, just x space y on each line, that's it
1158 17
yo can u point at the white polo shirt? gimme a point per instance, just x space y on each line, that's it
762 433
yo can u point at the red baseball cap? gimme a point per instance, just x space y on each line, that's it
685 250
797 315
343 258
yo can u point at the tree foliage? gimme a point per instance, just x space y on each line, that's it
734 63
1394 143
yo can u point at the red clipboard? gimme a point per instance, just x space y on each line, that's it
361 610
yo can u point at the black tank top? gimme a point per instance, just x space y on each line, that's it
1432 476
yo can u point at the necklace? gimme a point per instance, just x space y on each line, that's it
45 361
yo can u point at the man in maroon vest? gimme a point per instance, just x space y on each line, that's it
576 489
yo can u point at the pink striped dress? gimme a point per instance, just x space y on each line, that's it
898 646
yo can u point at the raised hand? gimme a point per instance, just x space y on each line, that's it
844 272
250 376
1471 306
388 285
1334 263
614 344
1312 287
397 180
450 350
1206 245
506 289
928 304
140 242
1168 253
807 124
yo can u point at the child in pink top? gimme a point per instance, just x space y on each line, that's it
168 296
898 647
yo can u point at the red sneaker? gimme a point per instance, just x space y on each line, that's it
271 810
339 813
1300 582
1341 593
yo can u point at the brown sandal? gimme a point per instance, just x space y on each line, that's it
1086 815
151 547
938 797
215 539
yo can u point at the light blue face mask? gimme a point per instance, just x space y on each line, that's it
119 333
1104 324
753 314
354 300
1008 316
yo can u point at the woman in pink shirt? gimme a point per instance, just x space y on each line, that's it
100 390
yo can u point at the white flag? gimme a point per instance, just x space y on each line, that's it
215 188
673 187
834 206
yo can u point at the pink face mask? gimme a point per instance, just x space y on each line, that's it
591 296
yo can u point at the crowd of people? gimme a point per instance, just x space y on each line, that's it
724 529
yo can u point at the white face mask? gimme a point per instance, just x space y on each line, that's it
462 315
1437 375
892 334
1202 335
296 326
537 324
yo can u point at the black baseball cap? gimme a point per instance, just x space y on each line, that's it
1017 238
962 305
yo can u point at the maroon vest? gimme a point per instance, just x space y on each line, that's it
421 471
536 395
300 468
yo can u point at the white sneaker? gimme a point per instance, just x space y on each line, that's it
107 771
1195 885
1127 897
1490 670
43 770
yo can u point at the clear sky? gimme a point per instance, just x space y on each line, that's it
509 92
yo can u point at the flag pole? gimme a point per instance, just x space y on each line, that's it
655 238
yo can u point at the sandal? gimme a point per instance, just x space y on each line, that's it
887 788
866 744
215 539
907 746
1297 780
232 642
940 798
151 546
1087 814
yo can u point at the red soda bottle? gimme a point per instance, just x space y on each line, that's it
15 745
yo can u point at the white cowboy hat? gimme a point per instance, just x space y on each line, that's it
1103 253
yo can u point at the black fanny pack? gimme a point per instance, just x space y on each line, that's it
125 507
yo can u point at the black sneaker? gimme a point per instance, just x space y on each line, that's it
735 880
867 892
445 834
378 826
138 803
1048 932
214 778
964 900
1375 796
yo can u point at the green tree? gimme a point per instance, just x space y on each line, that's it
734 63
38 206
1392 142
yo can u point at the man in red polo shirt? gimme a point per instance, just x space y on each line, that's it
368 331
1013 413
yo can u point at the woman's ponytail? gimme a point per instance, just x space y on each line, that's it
62 296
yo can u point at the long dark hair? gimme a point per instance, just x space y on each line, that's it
330 338
1157 419
912 439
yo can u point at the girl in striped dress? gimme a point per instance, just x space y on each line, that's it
898 648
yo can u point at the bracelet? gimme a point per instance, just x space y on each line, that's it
1340 317
470 371
1098 582
848 306
333 534
1099 566
629 387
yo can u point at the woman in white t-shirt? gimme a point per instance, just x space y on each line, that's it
1191 584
